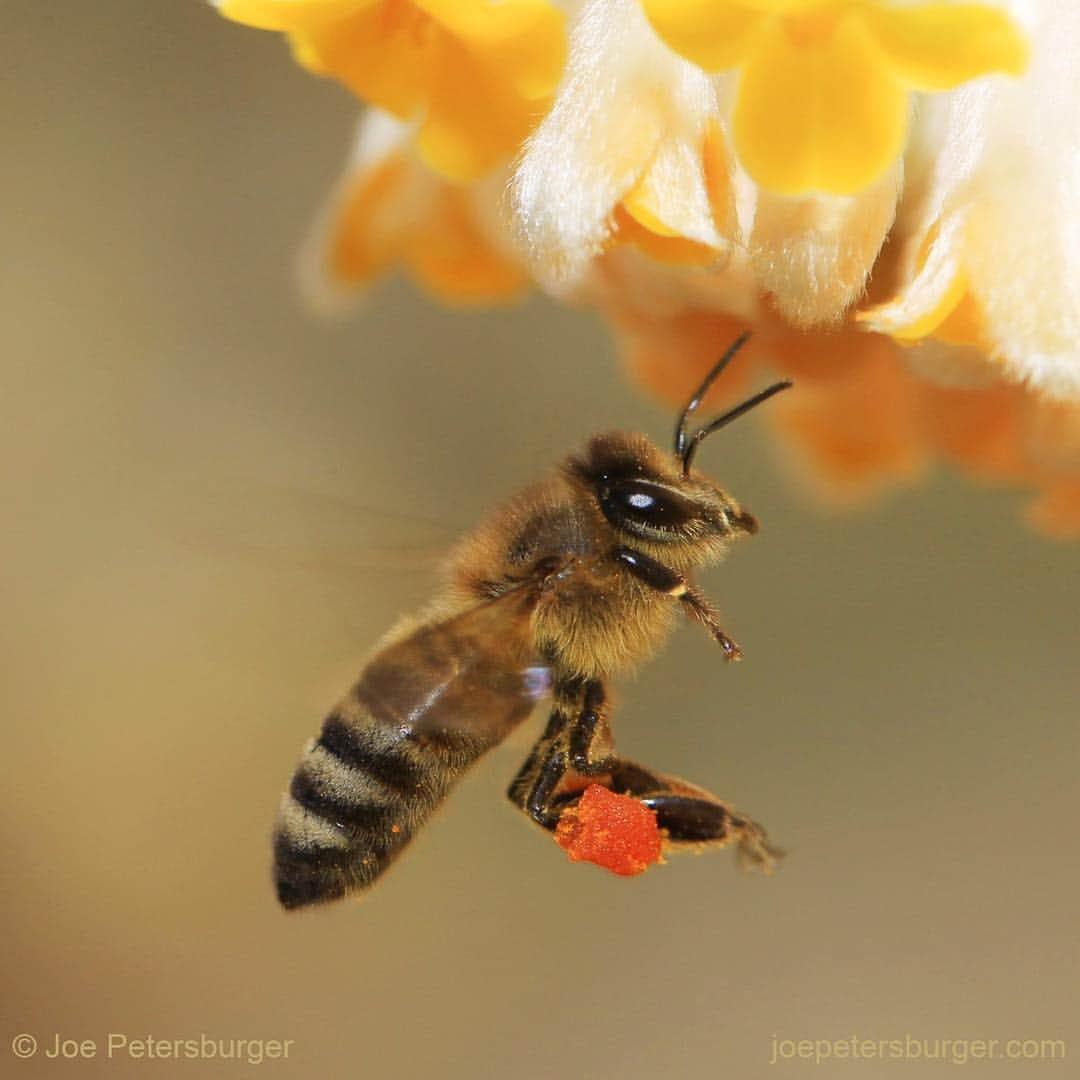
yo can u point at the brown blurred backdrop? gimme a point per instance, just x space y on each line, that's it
199 483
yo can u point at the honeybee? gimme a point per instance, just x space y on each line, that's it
575 579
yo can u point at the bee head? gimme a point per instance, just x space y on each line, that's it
647 496
649 501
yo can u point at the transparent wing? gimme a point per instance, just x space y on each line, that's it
287 530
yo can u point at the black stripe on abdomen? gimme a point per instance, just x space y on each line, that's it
360 792
355 814
367 749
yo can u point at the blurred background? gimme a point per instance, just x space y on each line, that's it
211 503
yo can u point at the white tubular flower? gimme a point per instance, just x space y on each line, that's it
990 222
887 192
814 253
633 129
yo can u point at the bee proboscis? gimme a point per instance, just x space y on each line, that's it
573 580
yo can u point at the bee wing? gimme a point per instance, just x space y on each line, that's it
277 528
285 530
476 672
311 529
501 636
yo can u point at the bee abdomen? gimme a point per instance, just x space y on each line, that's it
360 792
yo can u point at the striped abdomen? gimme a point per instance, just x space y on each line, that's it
423 711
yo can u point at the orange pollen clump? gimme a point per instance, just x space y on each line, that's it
610 830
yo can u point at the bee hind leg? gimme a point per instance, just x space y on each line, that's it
691 815
687 815
702 821
577 749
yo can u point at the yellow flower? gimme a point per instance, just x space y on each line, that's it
923 288
633 140
636 148
389 210
821 98
476 73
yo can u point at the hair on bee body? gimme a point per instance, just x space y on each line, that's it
575 579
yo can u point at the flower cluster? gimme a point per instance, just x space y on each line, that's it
885 191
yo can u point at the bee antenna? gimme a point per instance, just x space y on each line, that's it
732 414
700 392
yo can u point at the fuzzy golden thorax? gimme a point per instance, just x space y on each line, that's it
622 495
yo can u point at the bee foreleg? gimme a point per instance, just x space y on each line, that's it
663 579
699 608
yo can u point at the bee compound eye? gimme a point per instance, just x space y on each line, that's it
631 502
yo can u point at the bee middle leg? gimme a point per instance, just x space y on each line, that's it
576 743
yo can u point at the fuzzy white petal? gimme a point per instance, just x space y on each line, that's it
814 253
627 104
379 137
929 284
1024 237
994 193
